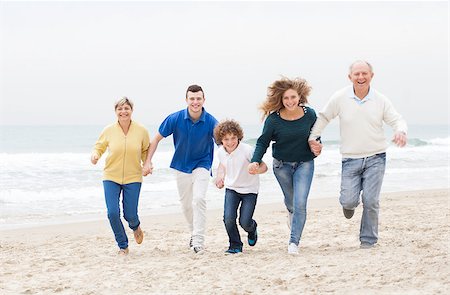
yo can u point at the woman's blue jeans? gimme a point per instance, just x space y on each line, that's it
130 199
232 201
362 178
295 179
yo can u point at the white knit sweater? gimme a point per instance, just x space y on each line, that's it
361 124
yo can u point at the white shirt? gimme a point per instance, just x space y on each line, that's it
361 122
237 177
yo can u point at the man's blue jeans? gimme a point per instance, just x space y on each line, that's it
295 179
130 200
232 201
363 178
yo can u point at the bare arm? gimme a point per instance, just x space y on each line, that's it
148 167
220 178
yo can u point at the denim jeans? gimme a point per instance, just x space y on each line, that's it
232 201
295 179
363 178
130 199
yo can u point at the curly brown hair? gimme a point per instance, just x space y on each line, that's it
274 99
227 127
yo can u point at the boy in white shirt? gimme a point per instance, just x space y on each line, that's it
241 187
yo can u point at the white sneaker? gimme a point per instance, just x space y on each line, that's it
289 220
199 249
292 249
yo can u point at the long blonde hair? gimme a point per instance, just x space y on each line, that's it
274 99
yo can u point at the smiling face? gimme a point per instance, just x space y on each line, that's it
361 75
291 100
230 142
195 101
123 112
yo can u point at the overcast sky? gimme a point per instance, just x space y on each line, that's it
67 62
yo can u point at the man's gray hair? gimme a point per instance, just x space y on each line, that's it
359 61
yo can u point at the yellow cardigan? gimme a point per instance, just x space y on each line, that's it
126 153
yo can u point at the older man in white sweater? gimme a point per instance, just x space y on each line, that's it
362 111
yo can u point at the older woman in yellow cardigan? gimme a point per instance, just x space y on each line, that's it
127 143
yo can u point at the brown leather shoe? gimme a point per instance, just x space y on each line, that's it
123 252
138 235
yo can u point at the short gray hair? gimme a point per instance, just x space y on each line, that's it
122 101
358 61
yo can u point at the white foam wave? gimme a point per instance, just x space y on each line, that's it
41 186
440 141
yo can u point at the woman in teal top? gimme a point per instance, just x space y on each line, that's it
288 124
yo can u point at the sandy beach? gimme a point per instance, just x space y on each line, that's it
412 256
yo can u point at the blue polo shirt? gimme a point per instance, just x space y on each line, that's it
194 142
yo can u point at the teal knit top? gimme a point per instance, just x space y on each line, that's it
290 138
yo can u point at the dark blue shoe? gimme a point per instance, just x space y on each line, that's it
253 238
233 251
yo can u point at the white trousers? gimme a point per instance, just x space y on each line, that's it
192 189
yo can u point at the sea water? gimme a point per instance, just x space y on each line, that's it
47 177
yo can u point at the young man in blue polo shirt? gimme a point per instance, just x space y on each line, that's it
193 138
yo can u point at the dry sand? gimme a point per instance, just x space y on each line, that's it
412 255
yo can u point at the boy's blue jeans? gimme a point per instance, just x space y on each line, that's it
295 179
363 178
130 200
232 201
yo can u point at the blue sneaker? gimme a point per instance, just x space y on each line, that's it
253 238
233 251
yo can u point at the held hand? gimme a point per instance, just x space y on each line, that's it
315 146
253 168
94 159
400 139
147 169
219 182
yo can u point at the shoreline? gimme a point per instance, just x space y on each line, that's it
176 212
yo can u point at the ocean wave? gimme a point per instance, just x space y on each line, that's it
417 142
440 141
